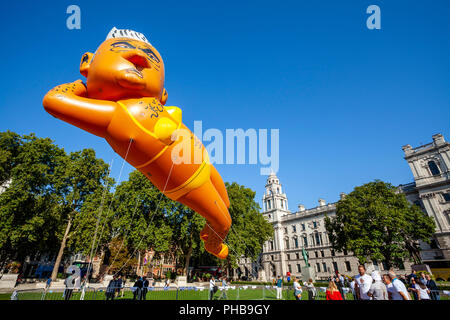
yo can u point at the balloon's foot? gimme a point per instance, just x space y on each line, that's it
204 235
223 253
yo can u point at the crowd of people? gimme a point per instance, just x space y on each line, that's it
375 286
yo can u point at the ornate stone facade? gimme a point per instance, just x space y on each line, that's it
430 165
305 228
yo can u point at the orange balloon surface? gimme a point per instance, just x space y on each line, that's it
123 101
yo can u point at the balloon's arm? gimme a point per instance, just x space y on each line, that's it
68 102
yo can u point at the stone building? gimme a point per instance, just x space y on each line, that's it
305 228
430 165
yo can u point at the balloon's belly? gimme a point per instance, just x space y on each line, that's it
174 169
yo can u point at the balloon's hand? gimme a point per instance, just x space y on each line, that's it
76 88
69 103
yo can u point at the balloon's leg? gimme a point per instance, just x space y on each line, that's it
207 201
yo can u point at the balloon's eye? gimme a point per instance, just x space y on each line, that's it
123 44
151 55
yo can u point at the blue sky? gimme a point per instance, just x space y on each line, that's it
345 98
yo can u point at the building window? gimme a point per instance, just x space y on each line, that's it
316 254
289 268
285 230
345 252
271 245
305 241
278 190
322 253
282 204
288 256
446 196
318 267
314 224
294 229
347 266
296 242
268 205
297 256
324 267
317 239
303 227
287 243
335 266
299 268
271 257
433 168
332 253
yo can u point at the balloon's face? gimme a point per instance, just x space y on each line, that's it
124 68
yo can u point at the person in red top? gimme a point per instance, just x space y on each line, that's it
333 292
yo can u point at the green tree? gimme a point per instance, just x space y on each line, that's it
249 228
186 225
377 223
29 209
81 175
140 216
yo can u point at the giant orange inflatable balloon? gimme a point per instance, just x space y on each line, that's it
123 101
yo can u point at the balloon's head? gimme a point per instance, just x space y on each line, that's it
124 66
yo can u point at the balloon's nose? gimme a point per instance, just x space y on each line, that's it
139 59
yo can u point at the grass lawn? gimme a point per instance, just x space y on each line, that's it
241 294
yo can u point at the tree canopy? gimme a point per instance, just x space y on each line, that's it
56 200
377 223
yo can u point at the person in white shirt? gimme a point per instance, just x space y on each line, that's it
297 289
399 291
389 287
421 290
377 290
352 286
363 283
212 284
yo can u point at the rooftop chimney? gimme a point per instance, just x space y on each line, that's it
321 202
301 207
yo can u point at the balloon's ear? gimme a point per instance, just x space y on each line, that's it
85 63
164 97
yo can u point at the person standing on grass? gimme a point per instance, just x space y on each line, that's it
363 283
145 284
69 283
377 290
137 288
297 289
422 278
111 289
434 290
224 285
399 291
423 293
352 287
212 284
339 281
279 287
48 283
119 285
412 275
333 292
311 289
389 287
412 288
